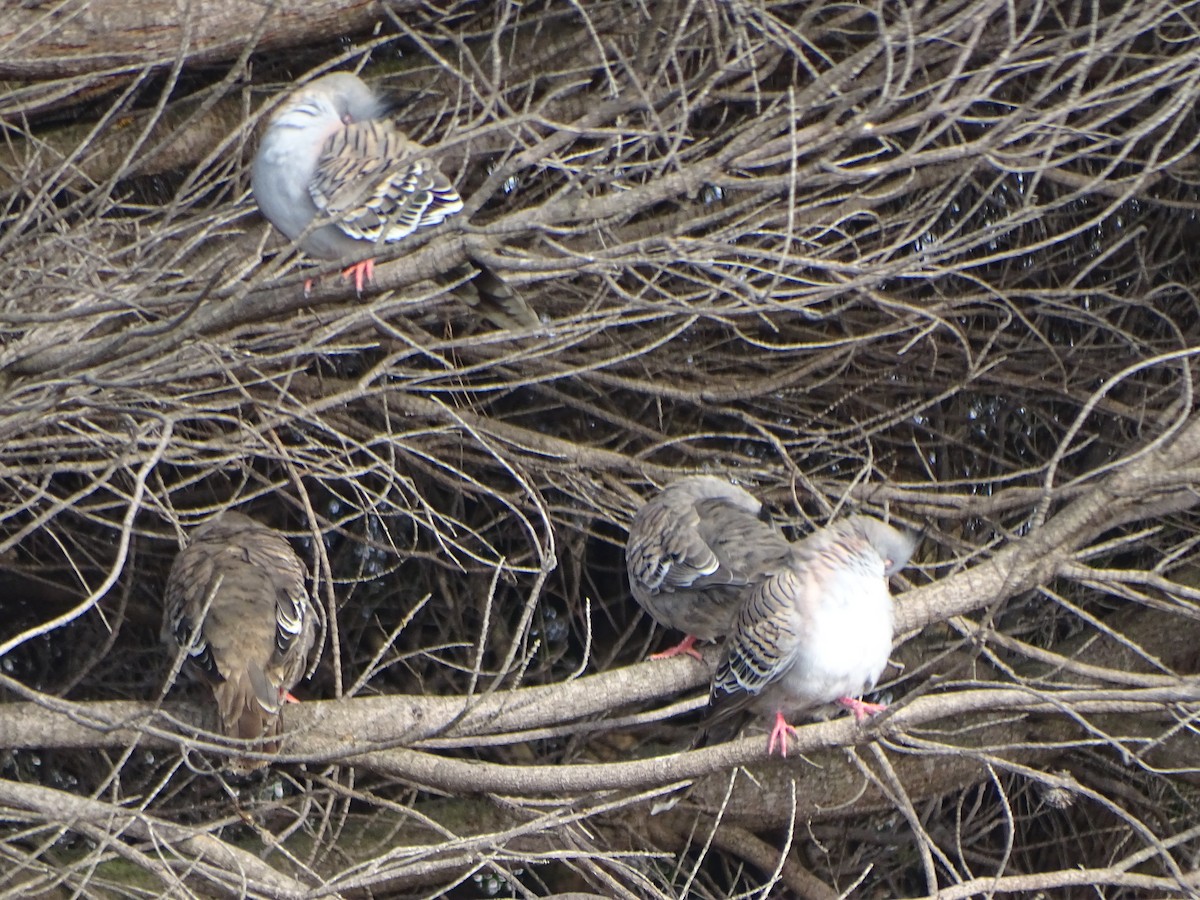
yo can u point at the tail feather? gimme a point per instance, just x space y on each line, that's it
722 725
249 709
496 300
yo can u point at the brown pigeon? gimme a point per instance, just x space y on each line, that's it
237 603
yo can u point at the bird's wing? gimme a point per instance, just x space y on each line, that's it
671 546
376 184
269 554
747 546
766 637
192 587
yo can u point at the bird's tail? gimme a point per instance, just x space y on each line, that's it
249 708
723 720
496 300
719 730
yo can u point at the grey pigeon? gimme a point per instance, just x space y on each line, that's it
691 552
328 152
236 600
819 630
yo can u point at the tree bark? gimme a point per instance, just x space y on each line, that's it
43 40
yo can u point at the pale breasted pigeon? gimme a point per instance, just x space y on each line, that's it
819 630
327 152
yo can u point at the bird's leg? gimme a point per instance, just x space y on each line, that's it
684 646
779 735
360 273
860 709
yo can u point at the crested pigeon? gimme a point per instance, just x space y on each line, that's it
817 631
327 152
693 549
237 605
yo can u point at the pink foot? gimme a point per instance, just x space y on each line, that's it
779 735
360 273
860 709
288 697
684 646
